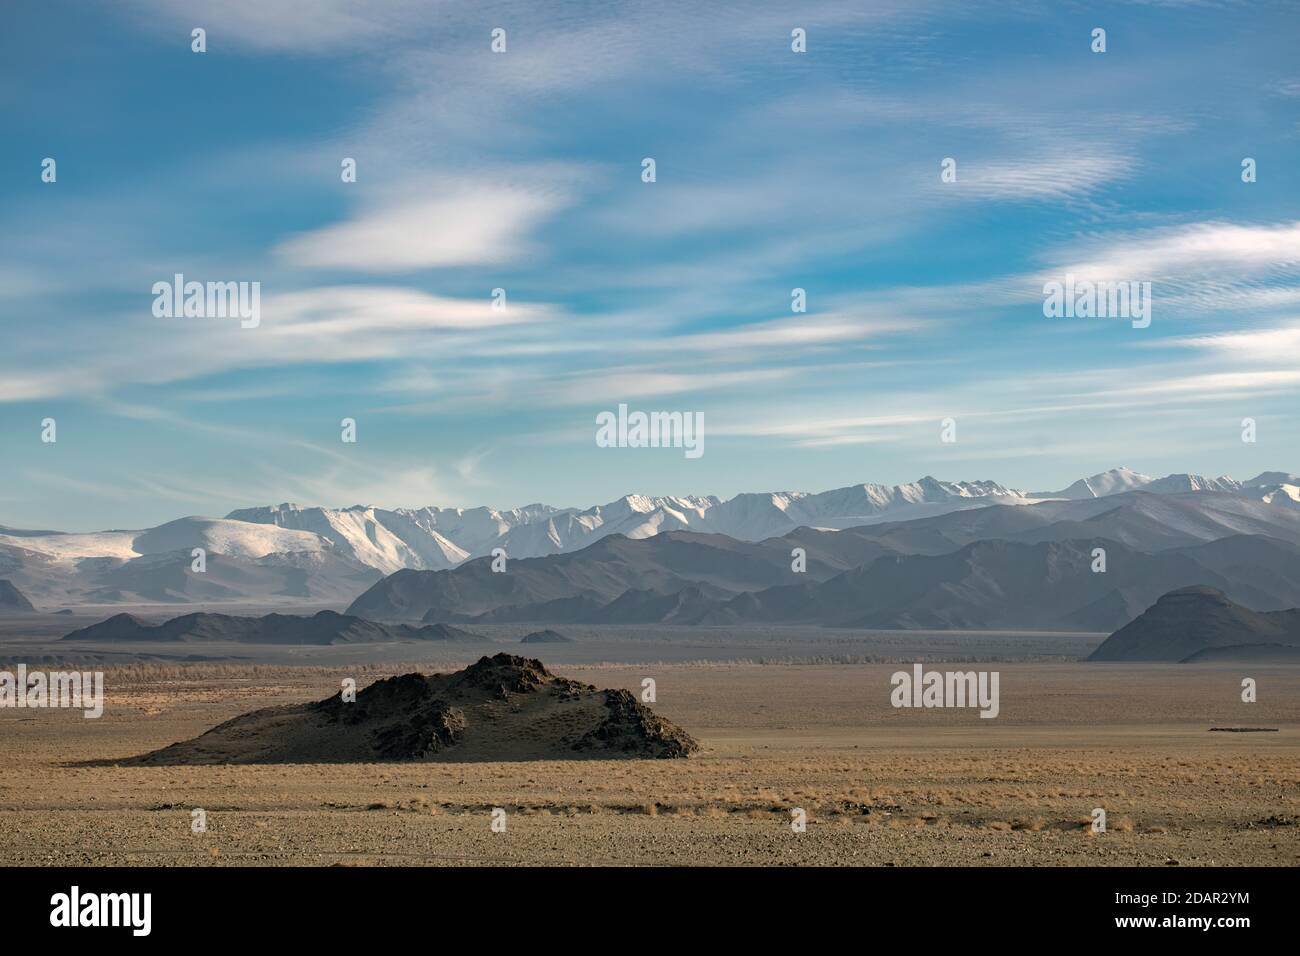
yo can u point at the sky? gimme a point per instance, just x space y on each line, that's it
522 170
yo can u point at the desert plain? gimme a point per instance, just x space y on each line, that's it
777 732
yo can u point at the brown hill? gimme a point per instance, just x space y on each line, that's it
502 708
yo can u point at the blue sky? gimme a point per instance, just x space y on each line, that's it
522 171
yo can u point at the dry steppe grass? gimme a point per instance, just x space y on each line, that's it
878 785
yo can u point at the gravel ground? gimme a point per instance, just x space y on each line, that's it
879 786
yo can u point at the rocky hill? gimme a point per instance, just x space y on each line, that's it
502 708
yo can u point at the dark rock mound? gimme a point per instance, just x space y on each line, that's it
632 726
504 674
545 637
403 715
1189 620
502 708
12 600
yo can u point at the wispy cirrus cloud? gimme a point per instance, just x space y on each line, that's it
522 170
1194 249
296 26
1202 267
1278 344
1036 176
326 326
472 223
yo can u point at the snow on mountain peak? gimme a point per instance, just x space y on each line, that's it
432 538
1113 482
1186 482
385 539
1271 478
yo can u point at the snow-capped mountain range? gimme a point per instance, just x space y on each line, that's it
435 538
331 553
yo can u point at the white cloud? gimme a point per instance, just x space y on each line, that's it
624 384
823 430
1054 175
1217 384
322 325
1254 345
341 312
1191 251
799 330
307 26
474 224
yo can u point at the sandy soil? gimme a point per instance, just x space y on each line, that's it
879 785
